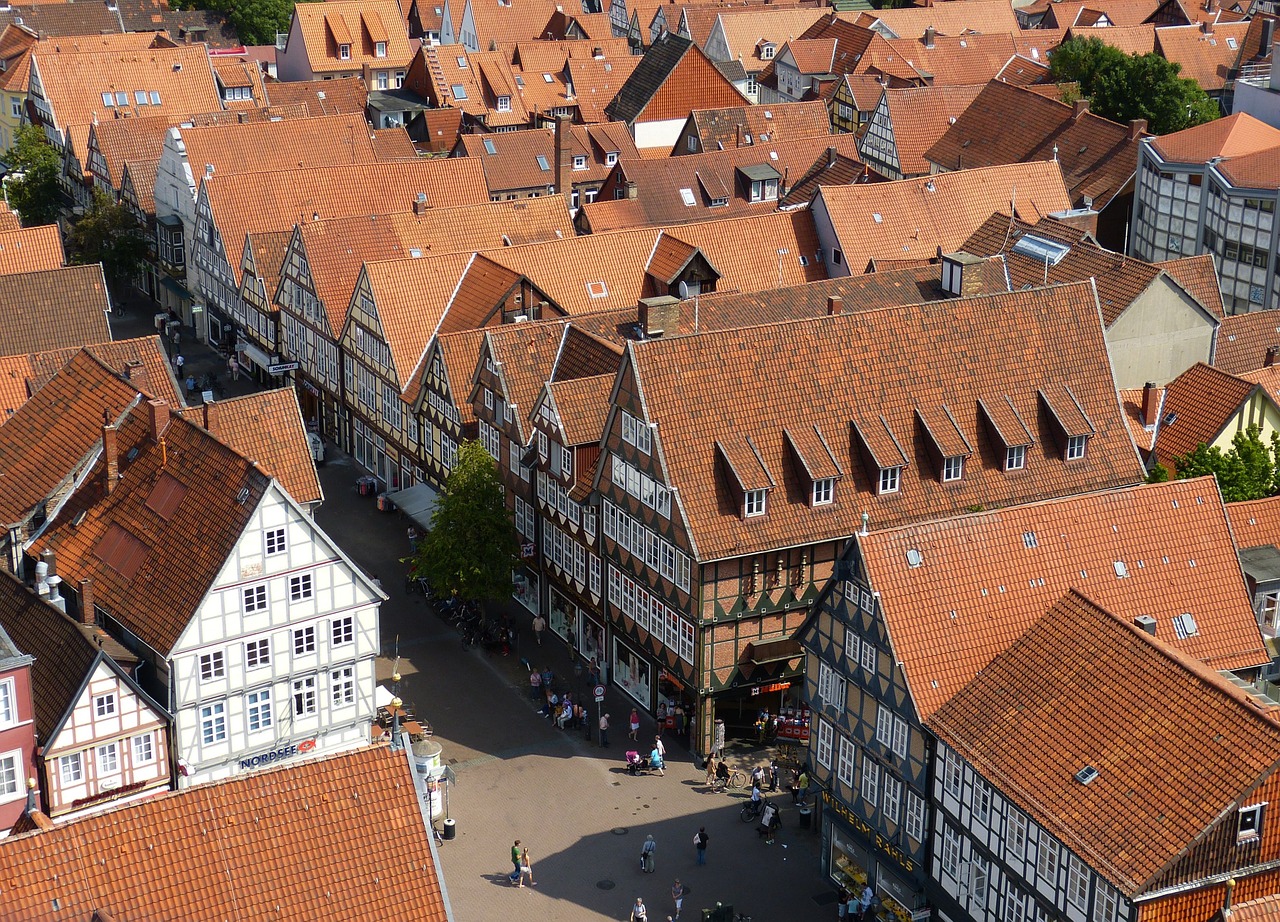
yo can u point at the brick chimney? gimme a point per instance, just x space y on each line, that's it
1079 108
1150 403
659 315
158 413
112 454
564 156
1270 359
87 612
1136 127
930 37
1207 28
831 157
420 203
835 305
632 191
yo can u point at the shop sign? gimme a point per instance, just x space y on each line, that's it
279 368
526 550
883 844
310 388
765 689
278 755
666 676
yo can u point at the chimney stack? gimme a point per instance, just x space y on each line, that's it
52 580
1150 403
1080 107
158 411
88 614
632 191
835 305
659 315
831 157
1147 623
1136 127
420 203
112 454
564 156
930 37
1270 358
1207 28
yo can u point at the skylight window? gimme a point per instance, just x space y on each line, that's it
519 81
155 98
489 148
542 164
1041 249
462 62
108 99
459 91
1231 43
122 99
686 196
139 97
547 78
597 289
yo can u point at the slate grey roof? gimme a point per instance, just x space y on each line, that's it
652 71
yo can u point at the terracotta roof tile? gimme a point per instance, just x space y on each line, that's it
746 29
958 60
1260 170
293 144
1202 400
914 217
1243 341
1139 39
1205 57
459 350
1171 542
308 827
1145 697
355 23
1020 70
140 177
672 79
196 539
1233 136
972 16
689 380
237 72
1199 277
1119 12
582 404
732 127
31 249
919 116
66 19
1263 909
831 168
143 361
515 165
601 81
1255 522
1098 157
266 428
545 55
515 20
443 127
393 144
53 309
340 96
1131 403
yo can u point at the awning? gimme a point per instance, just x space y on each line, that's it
169 282
418 503
773 651
255 355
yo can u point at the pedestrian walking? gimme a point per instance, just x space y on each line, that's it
802 788
656 761
539 625
678 890
711 770
700 843
526 868
604 730
191 385
648 855
413 540
176 336
515 861
638 912
661 749
178 363
864 902
233 366
773 775
635 725
842 904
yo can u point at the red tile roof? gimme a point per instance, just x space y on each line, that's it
1207 57
31 249
1139 39
739 126
1083 687
53 309
946 19
1203 400
1233 136
1243 341
919 116
340 96
341 838
514 164
1198 276
359 24
1255 522
687 381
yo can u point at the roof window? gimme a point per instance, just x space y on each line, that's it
488 147
462 62
344 52
542 164
547 78
1041 249
597 289
686 195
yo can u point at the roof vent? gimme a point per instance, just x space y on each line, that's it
1087 774
177 66
914 558
1041 249
242 496
1147 623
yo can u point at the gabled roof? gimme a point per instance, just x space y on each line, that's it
1207 55
293 144
266 428
1198 276
919 116
1198 406
515 165
739 126
1139 39
698 84
914 217
339 96
121 140
513 20
1233 136
139 176
130 551
1098 157
600 82
269 251
1255 522
746 28
945 19
1083 687
1067 13
31 249
582 405
687 381
307 826
831 168
1160 550
359 24
963 60
1243 341
53 309
237 72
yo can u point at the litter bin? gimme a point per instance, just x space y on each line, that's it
450 829
806 814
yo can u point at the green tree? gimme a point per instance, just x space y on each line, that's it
35 194
1247 470
1123 87
108 233
256 21
472 545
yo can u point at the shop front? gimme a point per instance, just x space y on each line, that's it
525 587
591 641
674 709
632 672
562 617
855 854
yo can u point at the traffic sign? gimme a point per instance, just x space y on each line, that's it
599 692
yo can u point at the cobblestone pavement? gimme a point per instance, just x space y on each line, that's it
570 801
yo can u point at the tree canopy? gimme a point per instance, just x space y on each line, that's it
108 233
1249 469
472 545
256 21
35 195
1123 87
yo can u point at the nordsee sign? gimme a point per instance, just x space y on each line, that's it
278 755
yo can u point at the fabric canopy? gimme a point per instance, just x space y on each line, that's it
418 503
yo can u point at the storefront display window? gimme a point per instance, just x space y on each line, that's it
631 673
591 644
848 862
564 617
524 588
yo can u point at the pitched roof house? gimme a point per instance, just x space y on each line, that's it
906 123
53 309
975 16
741 126
1207 406
31 249
1247 342
17 729
346 38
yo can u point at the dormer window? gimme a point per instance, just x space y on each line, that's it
344 52
824 491
611 158
504 103
1249 824
890 480
380 49
952 469
753 504
764 191
767 51
579 163
1075 447
1015 458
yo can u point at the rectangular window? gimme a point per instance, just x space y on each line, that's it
979 878
108 759
304 696
825 736
952 469
343 630
300 587
342 683
504 103
1105 903
258 707
1047 860
890 478
1075 447
891 801
304 641
870 781
213 723
852 645
8 706
255 598
1017 834
831 687
823 491
344 52
104 705
980 801
257 653
212 666
380 49
847 761
869 657
1077 883
953 774
70 768
276 543
950 851
915 817
144 749
884 726
754 504
901 737
1249 826
1015 458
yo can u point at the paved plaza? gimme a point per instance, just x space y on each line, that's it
570 801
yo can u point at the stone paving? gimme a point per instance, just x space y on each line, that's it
571 802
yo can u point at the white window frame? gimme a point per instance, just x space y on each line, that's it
342 687
379 49
107 758
8 703
824 491
104 705
950 857
254 598
344 52
258 709
979 881
826 734
144 749
870 657
213 723
847 761
1015 458
301 587
754 503
891 798
901 737
884 725
1047 860
870 788
914 820
890 480
1016 836
953 774
304 640
1077 883
71 768
953 469
1076 446
980 799
1249 822
1106 903
303 697
342 631
275 541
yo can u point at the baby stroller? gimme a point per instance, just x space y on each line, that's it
637 763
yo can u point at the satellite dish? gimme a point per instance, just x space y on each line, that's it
683 288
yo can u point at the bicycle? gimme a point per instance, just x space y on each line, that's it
751 810
734 779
